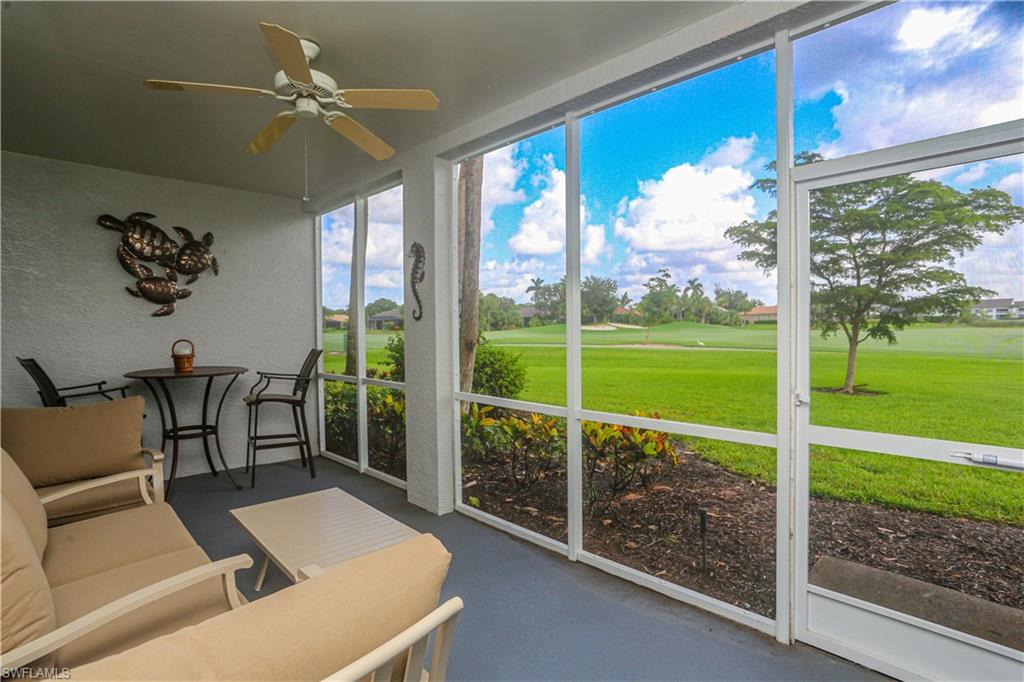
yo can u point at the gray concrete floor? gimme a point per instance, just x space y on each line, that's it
530 614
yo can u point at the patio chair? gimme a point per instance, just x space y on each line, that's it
296 400
52 396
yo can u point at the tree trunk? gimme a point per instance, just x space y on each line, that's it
352 342
471 177
851 363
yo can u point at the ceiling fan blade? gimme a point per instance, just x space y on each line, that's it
414 100
288 50
207 87
361 137
266 138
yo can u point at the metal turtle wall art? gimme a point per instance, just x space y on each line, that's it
163 290
141 240
194 256
145 240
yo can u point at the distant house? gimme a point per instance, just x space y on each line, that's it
998 309
336 321
528 312
761 313
625 314
389 319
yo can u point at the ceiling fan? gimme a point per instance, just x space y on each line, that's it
312 94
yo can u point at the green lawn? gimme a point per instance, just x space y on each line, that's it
939 381
1006 342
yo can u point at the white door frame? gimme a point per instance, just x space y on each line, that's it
892 642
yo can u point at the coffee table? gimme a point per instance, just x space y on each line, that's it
307 534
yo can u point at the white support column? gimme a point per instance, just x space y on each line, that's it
785 454
573 361
318 320
358 303
428 206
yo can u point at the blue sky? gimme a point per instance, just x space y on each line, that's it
664 175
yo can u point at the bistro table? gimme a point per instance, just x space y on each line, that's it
205 429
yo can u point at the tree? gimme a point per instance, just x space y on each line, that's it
883 252
548 300
471 179
661 299
381 305
499 312
735 300
598 298
352 330
693 301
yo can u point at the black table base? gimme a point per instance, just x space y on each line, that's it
156 382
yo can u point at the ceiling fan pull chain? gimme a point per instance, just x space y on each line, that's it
305 159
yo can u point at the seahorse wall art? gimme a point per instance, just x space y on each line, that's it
416 275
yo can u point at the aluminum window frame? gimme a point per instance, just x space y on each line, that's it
573 411
357 301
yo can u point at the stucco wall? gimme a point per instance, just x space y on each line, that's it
64 301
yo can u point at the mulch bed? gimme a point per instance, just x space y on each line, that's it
658 532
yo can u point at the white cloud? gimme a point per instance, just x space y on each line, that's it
972 173
689 207
1013 184
595 244
924 29
734 151
679 221
384 279
502 171
542 229
509 278
384 241
998 264
944 69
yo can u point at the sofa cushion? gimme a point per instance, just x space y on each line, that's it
59 444
170 614
95 545
25 500
93 502
26 607
304 632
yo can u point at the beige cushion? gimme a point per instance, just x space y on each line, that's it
85 548
303 632
23 498
93 502
59 444
26 607
170 614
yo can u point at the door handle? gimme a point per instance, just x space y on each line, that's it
800 401
988 459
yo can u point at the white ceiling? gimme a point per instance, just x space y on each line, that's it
72 75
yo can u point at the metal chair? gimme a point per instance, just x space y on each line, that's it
52 396
296 400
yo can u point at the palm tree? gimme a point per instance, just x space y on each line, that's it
693 296
624 302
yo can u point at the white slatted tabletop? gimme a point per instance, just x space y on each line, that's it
317 529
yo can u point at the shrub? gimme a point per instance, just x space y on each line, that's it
341 418
394 351
498 372
532 446
479 436
615 457
385 411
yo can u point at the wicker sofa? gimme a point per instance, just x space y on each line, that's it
130 595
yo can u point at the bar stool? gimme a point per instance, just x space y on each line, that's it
296 400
